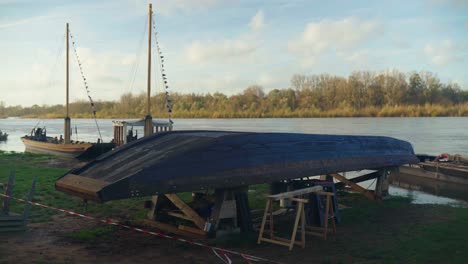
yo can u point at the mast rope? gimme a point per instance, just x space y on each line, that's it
164 81
93 109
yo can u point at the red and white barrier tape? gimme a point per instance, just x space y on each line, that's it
220 252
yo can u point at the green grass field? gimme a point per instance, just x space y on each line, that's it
395 231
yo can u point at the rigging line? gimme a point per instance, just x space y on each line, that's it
160 59
58 52
139 53
93 109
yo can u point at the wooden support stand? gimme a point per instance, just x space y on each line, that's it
299 219
10 221
354 186
229 209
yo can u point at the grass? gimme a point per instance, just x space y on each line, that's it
90 235
27 166
395 231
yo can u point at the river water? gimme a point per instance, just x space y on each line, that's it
429 135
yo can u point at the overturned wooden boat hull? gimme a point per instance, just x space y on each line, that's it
182 161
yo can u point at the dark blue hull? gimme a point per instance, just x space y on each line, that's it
198 160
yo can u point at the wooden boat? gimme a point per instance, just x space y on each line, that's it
180 161
3 136
39 142
446 168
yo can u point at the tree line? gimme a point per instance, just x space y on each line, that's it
362 93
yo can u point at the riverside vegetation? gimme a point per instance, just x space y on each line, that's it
362 94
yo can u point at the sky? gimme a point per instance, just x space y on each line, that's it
221 46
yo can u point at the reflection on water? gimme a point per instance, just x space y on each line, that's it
424 190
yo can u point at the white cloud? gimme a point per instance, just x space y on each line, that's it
222 50
25 21
257 22
358 58
337 36
444 53
106 73
231 49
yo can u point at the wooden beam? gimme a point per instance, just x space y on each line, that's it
187 210
295 193
358 179
192 230
354 186
182 216
154 204
168 228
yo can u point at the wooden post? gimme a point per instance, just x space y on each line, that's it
8 191
381 187
154 207
27 207
150 26
149 118
67 124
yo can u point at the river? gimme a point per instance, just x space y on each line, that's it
428 135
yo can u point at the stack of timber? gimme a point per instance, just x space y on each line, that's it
445 168
181 161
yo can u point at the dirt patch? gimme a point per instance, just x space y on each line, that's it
356 241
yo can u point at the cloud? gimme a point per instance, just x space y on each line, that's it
25 21
257 22
337 36
200 52
444 53
222 50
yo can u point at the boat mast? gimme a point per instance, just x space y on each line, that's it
67 128
148 118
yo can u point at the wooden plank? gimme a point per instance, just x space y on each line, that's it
19 223
359 179
187 210
274 241
295 193
10 217
168 228
354 186
300 206
12 229
300 200
192 230
182 216
265 214
287 241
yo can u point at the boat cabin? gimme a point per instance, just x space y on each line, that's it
123 130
